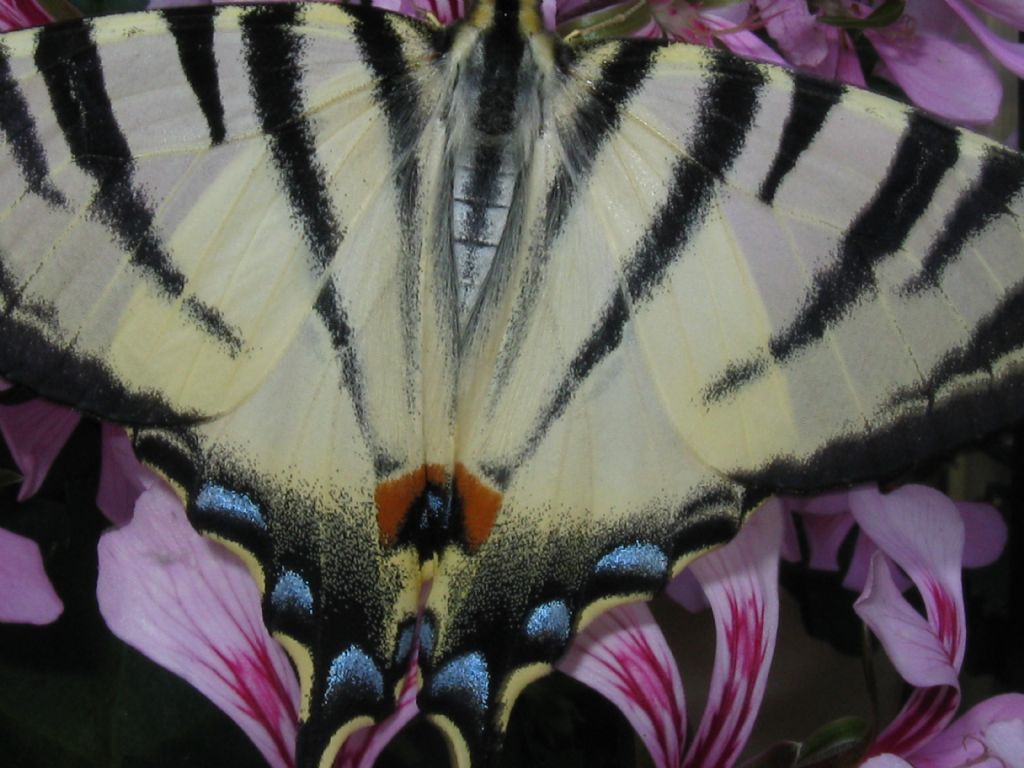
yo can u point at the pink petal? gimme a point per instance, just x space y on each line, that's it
925 714
1009 54
741 583
796 30
192 607
1005 743
827 521
623 656
947 78
886 761
1010 11
122 477
825 534
922 531
969 736
860 563
745 43
36 432
21 14
842 62
985 533
446 11
26 595
790 540
687 591
363 747
931 16
909 640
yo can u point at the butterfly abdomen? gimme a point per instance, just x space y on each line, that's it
496 101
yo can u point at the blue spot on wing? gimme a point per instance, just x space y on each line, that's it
403 647
464 679
292 593
426 638
354 675
645 561
218 500
549 623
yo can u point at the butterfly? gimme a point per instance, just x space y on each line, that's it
534 321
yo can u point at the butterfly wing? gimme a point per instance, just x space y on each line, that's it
209 231
733 281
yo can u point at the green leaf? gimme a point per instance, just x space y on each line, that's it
616 21
837 744
9 477
781 755
883 16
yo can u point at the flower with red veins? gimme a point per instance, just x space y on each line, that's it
192 607
624 656
920 531
21 14
828 520
990 735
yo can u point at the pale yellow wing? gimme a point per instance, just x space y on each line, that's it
210 231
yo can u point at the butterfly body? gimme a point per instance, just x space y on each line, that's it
535 321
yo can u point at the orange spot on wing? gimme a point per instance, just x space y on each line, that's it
480 505
395 497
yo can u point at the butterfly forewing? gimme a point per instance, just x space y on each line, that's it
732 280
210 231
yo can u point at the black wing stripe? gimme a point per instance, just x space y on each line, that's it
997 335
192 28
274 60
29 356
593 122
927 151
70 65
812 102
728 106
395 92
69 62
1000 181
19 130
727 111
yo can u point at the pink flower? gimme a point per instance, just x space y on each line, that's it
35 432
921 51
921 531
193 608
623 654
26 595
915 529
830 518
